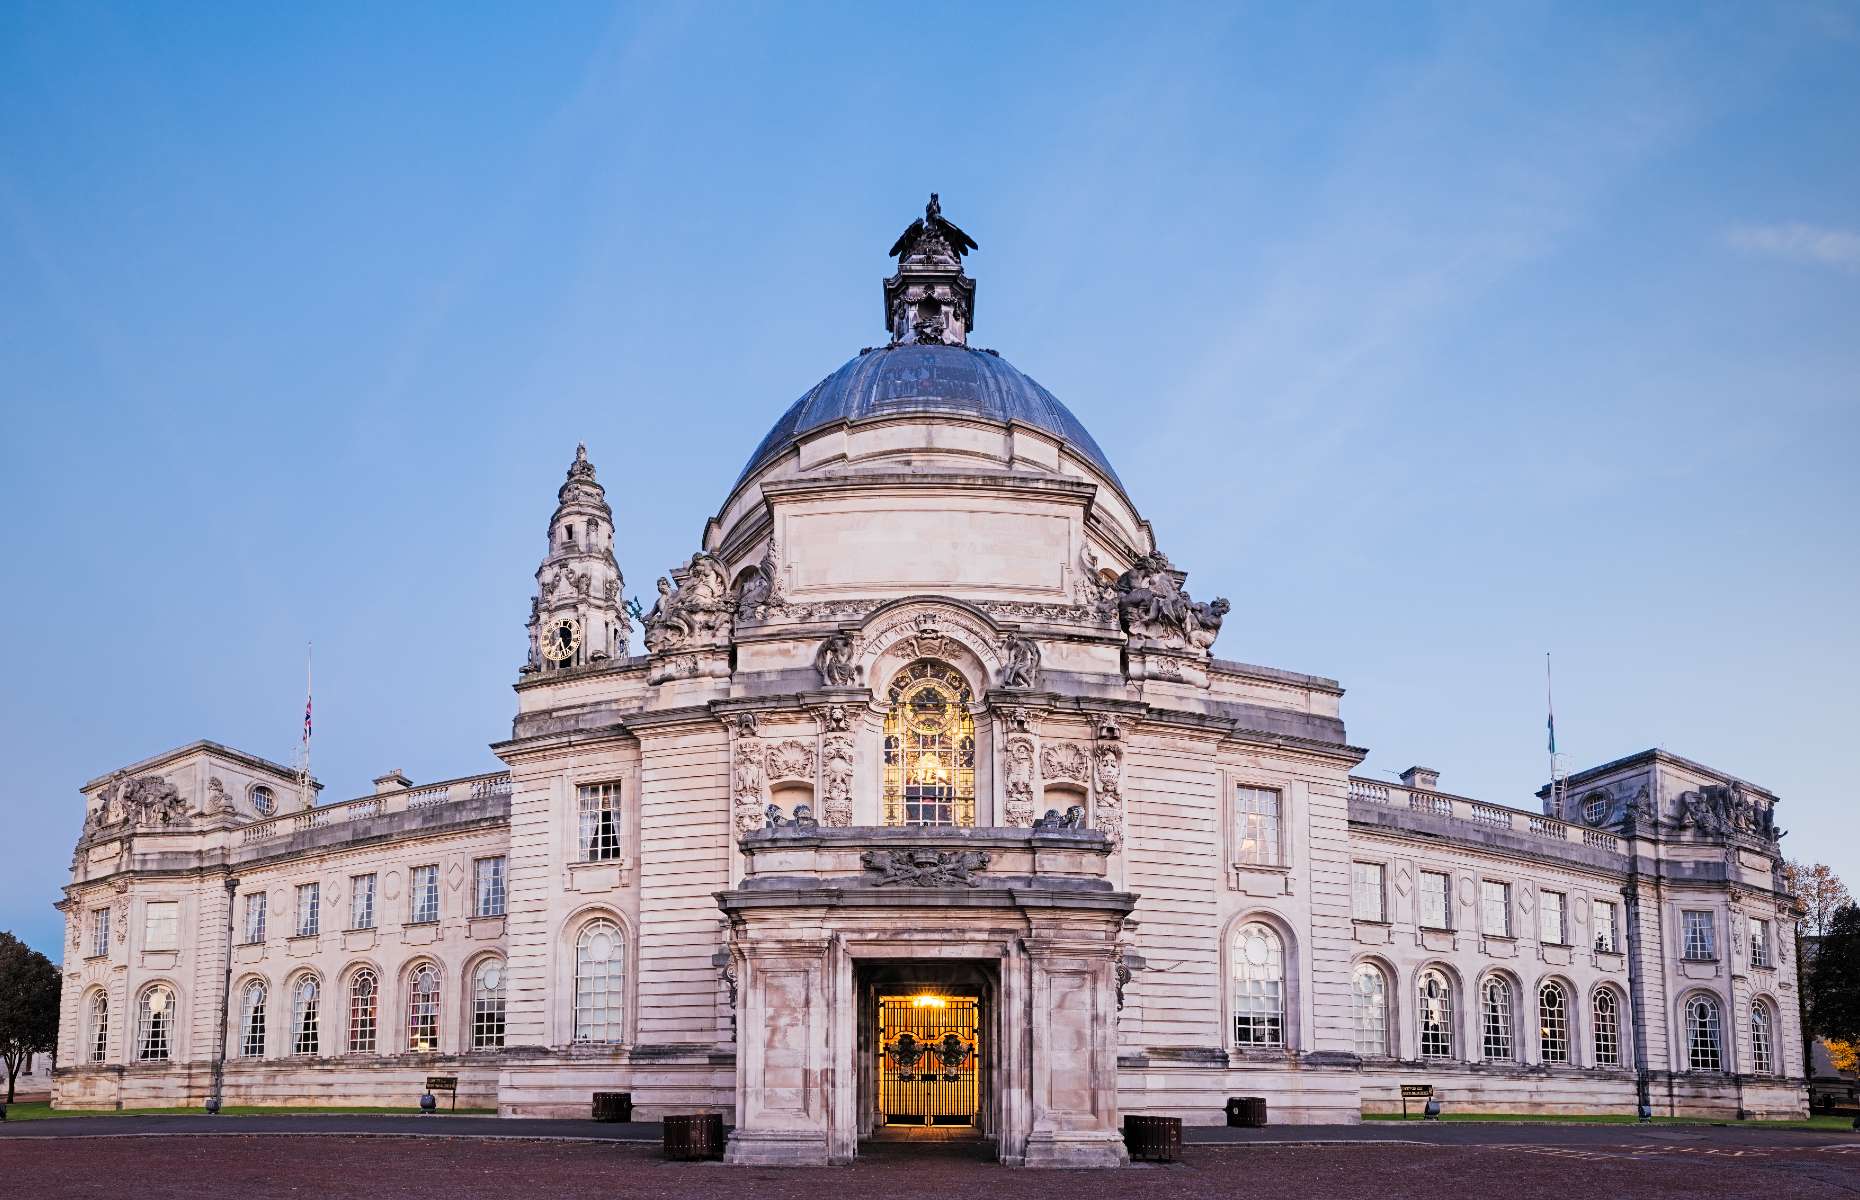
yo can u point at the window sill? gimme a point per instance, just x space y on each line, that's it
90 958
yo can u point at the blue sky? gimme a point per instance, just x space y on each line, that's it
1436 337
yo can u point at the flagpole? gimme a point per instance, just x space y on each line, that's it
1550 708
303 751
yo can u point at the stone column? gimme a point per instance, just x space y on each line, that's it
1073 1067
783 1075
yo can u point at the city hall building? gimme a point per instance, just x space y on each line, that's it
930 803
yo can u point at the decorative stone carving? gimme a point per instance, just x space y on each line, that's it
791 759
1718 809
1111 792
1110 729
835 718
75 930
752 596
217 799
834 661
1095 597
836 779
746 784
925 868
697 613
803 818
1065 762
1020 665
147 800
1020 772
119 917
1019 719
1074 818
1156 612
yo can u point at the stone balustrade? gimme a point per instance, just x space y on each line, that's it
912 857
1476 812
471 787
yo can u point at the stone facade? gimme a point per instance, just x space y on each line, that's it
926 710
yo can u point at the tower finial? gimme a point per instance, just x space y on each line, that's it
930 300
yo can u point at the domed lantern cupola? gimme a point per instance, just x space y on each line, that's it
577 615
930 300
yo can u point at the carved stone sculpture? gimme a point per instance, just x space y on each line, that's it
1155 611
803 818
836 777
1111 793
925 868
835 662
746 785
217 799
1020 771
698 613
1074 818
1020 667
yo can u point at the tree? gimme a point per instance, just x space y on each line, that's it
1832 990
1844 1055
1820 891
28 1006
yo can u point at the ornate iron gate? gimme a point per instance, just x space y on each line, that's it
929 1060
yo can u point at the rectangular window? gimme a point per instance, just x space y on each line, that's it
1759 943
1607 927
423 896
1701 940
254 917
600 821
309 909
161 925
1366 891
362 901
1495 908
99 932
1436 912
1550 929
488 884
1257 818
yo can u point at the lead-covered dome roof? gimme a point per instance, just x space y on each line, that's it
928 379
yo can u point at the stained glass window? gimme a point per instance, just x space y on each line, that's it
929 748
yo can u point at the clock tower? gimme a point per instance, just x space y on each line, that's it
578 615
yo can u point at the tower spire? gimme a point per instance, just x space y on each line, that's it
931 300
577 616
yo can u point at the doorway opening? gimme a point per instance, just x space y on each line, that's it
927 1037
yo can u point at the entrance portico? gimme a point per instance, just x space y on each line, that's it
832 929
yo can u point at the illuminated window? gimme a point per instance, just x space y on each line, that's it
252 1020
1553 1023
1369 999
1607 1029
1434 1008
423 1009
600 970
1495 1019
1702 1052
99 1027
1259 987
155 1024
1258 815
304 1025
487 1006
364 990
929 748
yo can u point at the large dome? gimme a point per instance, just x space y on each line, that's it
933 379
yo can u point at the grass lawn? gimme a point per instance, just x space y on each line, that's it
42 1110
1830 1123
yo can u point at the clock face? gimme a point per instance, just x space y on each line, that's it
560 639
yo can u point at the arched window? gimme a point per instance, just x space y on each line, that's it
1259 987
252 1020
1553 1023
304 1033
1702 1052
1762 1058
1434 1010
423 1009
99 1016
929 748
1607 1029
487 1005
155 1024
1495 1018
1369 1000
600 974
364 992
